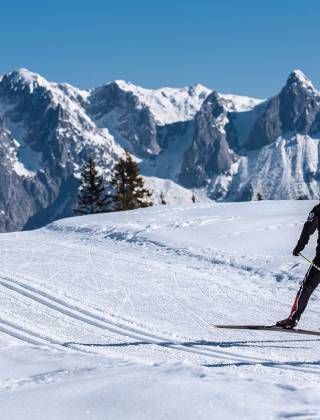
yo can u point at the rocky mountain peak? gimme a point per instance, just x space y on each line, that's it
299 104
294 110
298 79
23 78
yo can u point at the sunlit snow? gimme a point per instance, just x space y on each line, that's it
112 316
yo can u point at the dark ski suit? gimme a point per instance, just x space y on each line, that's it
312 277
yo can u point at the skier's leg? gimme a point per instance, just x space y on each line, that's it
310 282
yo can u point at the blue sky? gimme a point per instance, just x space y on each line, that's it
237 46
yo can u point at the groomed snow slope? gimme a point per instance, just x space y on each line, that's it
112 316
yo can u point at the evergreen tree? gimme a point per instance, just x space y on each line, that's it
92 197
128 186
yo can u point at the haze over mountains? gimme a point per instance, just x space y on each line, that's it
224 147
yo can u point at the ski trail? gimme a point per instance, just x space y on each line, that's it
28 336
233 268
150 245
102 323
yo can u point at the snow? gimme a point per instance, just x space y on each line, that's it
284 169
303 79
172 192
29 161
169 162
237 103
169 105
141 392
21 170
29 79
112 316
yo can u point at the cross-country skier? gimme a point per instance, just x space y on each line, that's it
312 277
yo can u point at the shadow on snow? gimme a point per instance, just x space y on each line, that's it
218 344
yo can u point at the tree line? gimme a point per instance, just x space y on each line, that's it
126 188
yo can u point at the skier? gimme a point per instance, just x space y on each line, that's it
312 277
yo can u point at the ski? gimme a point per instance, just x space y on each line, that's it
269 328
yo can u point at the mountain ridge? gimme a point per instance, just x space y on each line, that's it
187 140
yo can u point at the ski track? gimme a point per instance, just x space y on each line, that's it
136 241
116 245
227 264
91 319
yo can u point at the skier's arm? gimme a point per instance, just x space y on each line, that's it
308 229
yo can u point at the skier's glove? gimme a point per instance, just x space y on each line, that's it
296 251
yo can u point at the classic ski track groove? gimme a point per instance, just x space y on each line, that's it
27 335
100 322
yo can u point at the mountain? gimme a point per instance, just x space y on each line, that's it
46 135
187 140
278 154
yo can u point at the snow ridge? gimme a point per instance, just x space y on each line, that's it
169 105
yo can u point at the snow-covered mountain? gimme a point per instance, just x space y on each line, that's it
221 146
168 105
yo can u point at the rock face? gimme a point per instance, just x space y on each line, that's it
229 147
122 112
134 115
292 111
209 153
11 185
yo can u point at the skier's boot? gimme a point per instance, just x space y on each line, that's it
287 323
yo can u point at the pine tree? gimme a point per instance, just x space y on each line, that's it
92 197
128 185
